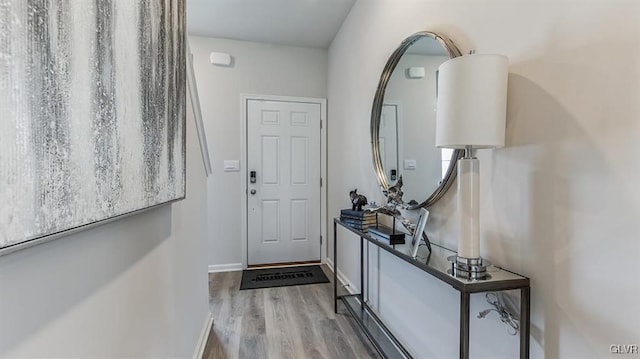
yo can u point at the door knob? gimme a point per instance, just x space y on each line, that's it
253 191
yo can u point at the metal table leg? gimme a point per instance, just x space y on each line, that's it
464 324
361 270
366 297
525 321
335 268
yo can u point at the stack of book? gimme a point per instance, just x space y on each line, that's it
359 220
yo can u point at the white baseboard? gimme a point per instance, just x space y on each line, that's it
329 263
202 342
214 268
351 288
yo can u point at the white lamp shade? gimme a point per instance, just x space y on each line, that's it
472 101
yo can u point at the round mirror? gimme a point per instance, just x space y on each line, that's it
403 123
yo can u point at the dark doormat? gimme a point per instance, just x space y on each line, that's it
282 277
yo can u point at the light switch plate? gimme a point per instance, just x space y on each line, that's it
231 165
409 164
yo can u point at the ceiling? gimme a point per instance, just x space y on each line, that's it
307 23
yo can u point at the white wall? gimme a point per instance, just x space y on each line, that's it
257 69
560 203
134 288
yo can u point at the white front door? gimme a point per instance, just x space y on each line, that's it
283 199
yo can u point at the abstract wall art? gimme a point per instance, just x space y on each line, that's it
92 106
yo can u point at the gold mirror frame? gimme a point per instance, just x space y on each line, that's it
376 113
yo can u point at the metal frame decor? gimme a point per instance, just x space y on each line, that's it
93 103
376 113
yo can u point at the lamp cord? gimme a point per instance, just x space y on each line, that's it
511 323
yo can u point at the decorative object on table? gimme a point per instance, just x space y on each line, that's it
93 110
360 220
389 210
471 114
387 234
392 211
394 193
357 200
417 233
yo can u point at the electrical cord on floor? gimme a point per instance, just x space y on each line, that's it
512 323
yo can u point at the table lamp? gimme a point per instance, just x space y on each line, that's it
471 114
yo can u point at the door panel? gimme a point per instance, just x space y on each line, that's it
299 160
269 167
299 219
283 147
269 223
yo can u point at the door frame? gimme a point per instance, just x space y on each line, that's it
244 98
399 130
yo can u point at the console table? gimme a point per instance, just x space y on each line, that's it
433 263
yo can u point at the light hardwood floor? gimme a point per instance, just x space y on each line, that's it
286 322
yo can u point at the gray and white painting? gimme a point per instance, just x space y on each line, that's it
92 105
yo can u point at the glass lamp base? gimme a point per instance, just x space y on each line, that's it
469 268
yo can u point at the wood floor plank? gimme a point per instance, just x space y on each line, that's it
311 344
323 299
277 323
214 347
253 343
277 344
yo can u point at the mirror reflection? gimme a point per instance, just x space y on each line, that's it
408 122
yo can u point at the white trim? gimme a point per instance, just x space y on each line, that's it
266 266
399 131
324 248
243 168
243 179
346 283
192 87
214 268
202 342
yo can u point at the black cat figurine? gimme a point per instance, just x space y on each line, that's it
357 200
